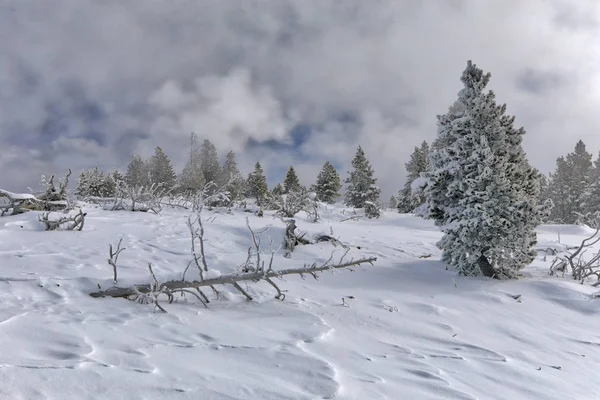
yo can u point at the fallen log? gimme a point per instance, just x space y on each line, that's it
232 279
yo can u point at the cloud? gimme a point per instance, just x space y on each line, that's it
87 83
228 110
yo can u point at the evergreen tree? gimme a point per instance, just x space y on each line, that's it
161 170
544 189
558 192
277 190
257 184
361 182
570 183
137 172
580 161
191 179
328 184
231 178
209 162
481 190
291 182
94 183
591 203
415 167
117 176
393 203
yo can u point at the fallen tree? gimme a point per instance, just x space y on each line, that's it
68 222
256 276
255 269
52 199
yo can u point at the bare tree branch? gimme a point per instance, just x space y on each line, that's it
113 257
312 269
68 222
573 257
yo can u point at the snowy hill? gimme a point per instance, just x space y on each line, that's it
406 329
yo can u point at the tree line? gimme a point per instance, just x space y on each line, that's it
204 171
474 181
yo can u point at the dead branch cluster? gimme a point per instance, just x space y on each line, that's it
140 198
153 198
583 268
254 269
52 199
68 222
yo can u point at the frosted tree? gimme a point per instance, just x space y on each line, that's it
291 183
361 182
117 177
161 170
328 184
481 190
257 184
558 192
393 203
591 197
231 178
94 183
277 190
191 179
544 188
138 173
209 162
581 169
570 183
415 168
82 184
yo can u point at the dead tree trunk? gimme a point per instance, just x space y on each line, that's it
291 240
231 279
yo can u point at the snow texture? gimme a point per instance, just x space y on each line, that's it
17 196
410 330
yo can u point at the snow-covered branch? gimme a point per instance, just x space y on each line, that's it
250 271
582 268
53 198
311 269
69 222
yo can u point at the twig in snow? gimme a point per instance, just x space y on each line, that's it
113 257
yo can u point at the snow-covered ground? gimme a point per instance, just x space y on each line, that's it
413 330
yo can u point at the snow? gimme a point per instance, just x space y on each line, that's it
17 196
410 330
418 185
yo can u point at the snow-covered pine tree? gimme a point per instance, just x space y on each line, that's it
570 183
328 184
94 183
481 190
82 184
581 164
117 176
191 180
291 183
544 188
138 173
161 170
558 192
361 182
209 162
277 190
415 167
393 203
591 203
257 184
231 178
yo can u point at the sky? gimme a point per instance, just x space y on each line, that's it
87 83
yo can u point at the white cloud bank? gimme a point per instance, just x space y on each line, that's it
85 83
